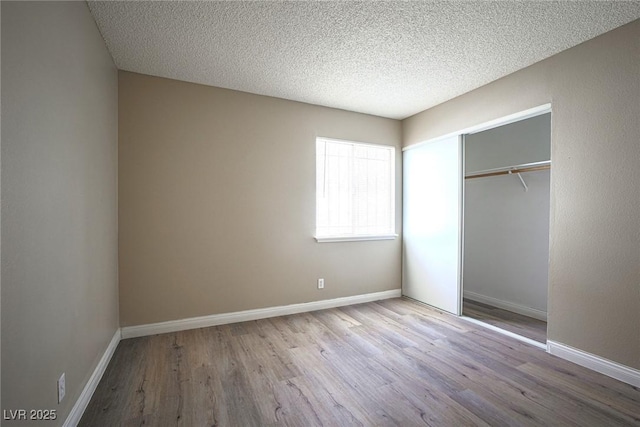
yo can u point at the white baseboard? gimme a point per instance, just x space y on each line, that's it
595 363
81 404
243 316
506 305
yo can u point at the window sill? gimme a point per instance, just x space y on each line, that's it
335 239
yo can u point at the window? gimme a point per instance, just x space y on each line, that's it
355 191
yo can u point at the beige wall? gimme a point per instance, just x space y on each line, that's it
217 203
59 203
594 88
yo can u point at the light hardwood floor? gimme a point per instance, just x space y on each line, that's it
522 325
393 362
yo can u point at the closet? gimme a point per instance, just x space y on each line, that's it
476 223
506 226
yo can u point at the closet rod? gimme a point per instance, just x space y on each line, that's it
510 171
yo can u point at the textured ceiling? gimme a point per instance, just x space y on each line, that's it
391 59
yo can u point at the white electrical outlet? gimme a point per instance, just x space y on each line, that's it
61 388
320 283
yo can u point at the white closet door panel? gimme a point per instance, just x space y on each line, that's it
432 209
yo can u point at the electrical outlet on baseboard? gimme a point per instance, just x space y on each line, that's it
320 283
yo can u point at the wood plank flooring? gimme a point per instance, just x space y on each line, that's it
392 362
513 322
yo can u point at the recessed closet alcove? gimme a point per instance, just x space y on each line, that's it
506 226
476 223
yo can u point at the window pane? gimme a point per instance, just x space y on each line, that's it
354 189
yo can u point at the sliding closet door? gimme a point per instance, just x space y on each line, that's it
432 215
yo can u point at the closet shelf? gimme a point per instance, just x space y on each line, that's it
517 169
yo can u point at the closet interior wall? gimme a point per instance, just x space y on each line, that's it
506 229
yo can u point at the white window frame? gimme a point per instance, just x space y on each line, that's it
360 237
